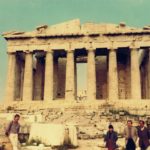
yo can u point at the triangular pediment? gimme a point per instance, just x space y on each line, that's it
74 27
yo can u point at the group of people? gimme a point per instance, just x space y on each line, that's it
131 134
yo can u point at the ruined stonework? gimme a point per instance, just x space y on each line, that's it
42 81
42 64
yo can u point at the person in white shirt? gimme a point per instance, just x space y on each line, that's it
12 132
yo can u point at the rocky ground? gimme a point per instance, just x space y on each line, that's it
96 144
83 145
91 124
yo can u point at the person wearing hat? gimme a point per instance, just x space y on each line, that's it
111 138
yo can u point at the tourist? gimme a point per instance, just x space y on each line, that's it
130 134
148 124
143 135
111 138
12 132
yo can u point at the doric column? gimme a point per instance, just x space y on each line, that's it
135 75
70 76
91 75
75 78
28 78
48 85
112 76
148 75
10 85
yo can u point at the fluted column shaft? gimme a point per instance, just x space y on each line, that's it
70 76
148 76
28 78
48 85
135 75
10 85
112 76
91 76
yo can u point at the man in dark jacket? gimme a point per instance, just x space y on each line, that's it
111 138
143 135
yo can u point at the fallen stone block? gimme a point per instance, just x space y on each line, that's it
53 134
49 134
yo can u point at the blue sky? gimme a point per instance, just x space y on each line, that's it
25 15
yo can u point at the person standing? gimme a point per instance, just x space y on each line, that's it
12 132
148 124
111 138
143 135
130 134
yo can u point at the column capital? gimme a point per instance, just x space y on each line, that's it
70 51
28 52
134 47
11 53
113 49
51 51
91 50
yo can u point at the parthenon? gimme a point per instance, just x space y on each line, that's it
42 63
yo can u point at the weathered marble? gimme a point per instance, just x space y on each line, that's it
43 63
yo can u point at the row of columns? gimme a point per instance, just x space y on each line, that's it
70 76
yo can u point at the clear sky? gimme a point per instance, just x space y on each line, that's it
25 15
